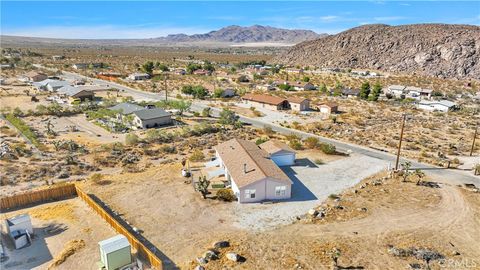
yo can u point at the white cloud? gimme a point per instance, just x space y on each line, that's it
329 18
389 18
101 31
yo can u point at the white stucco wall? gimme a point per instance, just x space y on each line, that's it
151 122
264 190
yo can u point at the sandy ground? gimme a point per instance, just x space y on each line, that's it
444 220
312 184
55 224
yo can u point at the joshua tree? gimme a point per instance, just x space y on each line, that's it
202 186
420 175
405 169
335 255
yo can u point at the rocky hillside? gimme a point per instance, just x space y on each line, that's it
251 34
441 50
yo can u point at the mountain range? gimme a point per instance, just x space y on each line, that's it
229 35
440 50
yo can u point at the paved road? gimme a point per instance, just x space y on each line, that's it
450 175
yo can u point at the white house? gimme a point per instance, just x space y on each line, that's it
279 152
437 105
149 118
253 176
396 90
138 76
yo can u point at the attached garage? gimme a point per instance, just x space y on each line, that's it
283 159
280 153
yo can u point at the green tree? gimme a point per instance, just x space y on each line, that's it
365 90
208 66
376 91
199 92
306 79
187 89
148 67
131 139
217 93
191 67
228 117
323 88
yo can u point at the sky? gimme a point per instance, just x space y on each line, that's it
124 19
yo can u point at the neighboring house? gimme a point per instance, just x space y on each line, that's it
202 72
86 65
350 92
418 93
50 85
328 108
396 90
265 87
294 70
228 92
126 108
139 76
34 76
180 71
266 101
58 57
440 105
7 66
299 104
74 93
280 153
302 86
253 176
149 118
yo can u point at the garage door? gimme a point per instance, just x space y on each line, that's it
284 160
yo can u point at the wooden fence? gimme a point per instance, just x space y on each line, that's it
39 196
142 249
138 242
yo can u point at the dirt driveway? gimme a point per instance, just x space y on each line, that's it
312 184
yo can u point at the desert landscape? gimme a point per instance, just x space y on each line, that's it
242 146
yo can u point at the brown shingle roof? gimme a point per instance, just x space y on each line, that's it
237 154
297 100
274 146
329 104
264 99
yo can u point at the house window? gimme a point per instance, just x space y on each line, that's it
280 190
250 194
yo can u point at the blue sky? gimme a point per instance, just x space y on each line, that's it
122 19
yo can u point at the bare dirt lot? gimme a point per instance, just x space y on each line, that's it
58 226
369 229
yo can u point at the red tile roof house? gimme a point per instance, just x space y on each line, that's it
266 101
299 104
202 72
250 171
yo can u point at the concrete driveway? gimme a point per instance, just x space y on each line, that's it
312 184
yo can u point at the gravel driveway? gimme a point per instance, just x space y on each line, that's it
312 185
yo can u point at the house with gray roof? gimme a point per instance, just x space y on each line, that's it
149 118
126 108
437 105
50 85
80 93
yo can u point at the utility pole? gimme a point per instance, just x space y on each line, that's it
165 84
400 142
473 143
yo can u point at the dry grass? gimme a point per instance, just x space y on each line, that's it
60 211
70 248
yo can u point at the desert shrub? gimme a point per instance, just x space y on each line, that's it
328 148
295 144
261 140
318 161
99 179
226 194
267 130
311 142
333 196
131 139
168 149
197 155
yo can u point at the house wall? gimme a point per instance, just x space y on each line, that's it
433 107
305 105
150 123
259 188
271 195
262 105
325 109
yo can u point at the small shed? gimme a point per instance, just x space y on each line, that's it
20 229
115 252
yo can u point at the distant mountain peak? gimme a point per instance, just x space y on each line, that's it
247 34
